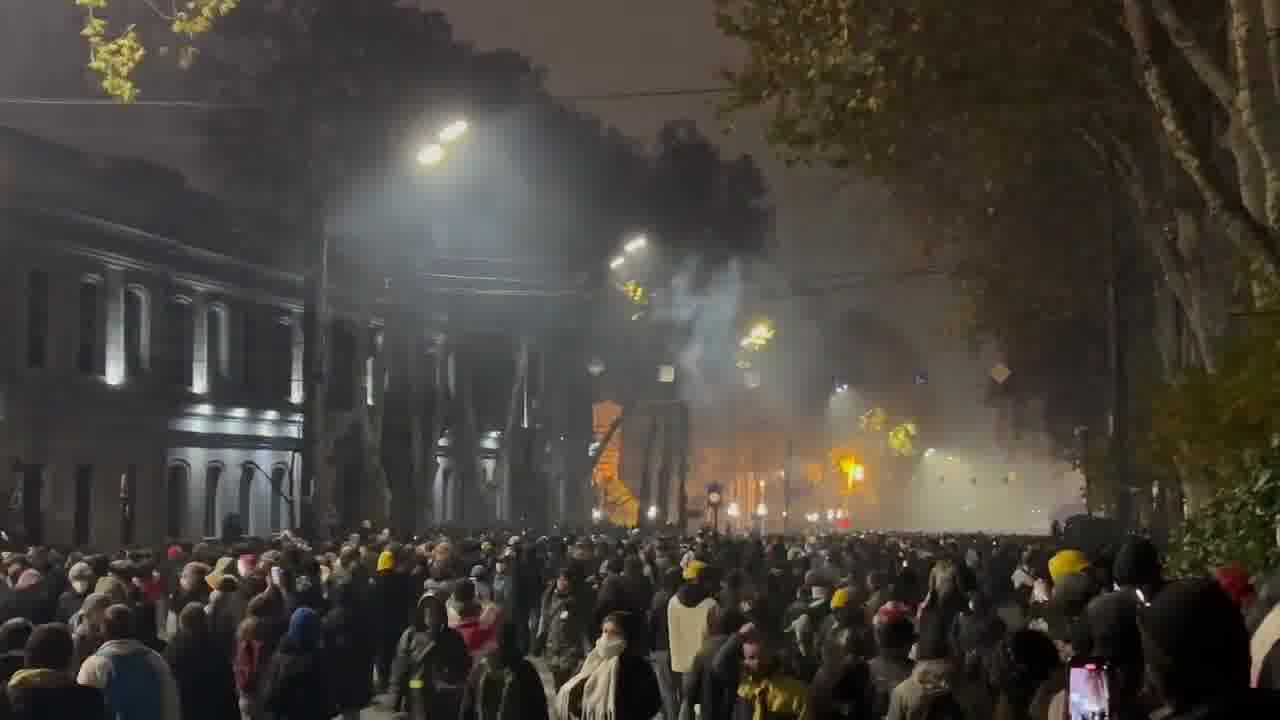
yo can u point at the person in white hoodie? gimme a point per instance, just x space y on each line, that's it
135 679
688 621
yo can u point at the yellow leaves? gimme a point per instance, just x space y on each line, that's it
902 439
115 59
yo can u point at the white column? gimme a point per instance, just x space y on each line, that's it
296 385
113 297
200 350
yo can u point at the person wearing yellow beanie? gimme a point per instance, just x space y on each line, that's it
386 561
693 571
840 598
1067 562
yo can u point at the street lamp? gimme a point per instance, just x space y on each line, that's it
636 244
431 154
453 131
617 262
596 366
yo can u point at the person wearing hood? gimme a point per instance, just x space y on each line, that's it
88 626
349 645
706 692
936 687
1019 669
225 613
505 686
393 600
1137 569
842 688
206 685
81 579
563 635
660 641
805 630
476 621
688 619
29 599
191 588
256 641
296 686
1196 649
764 690
895 634
135 679
14 635
45 688
431 664
615 683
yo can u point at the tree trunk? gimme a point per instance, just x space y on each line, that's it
1222 207
1255 104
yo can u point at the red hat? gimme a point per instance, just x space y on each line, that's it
1236 582
175 553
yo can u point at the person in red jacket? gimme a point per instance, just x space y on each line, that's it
477 623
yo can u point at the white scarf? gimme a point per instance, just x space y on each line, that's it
598 679
1267 634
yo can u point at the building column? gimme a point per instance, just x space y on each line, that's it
200 349
296 385
113 300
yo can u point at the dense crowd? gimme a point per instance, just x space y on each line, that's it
850 627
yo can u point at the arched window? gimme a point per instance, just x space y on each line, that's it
245 509
213 476
179 341
90 354
217 341
137 330
178 498
278 473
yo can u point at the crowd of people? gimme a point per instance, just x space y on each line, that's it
632 627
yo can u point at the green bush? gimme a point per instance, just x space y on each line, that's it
1237 526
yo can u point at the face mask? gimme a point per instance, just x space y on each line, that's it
610 647
81 586
819 593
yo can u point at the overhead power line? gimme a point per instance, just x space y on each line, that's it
610 96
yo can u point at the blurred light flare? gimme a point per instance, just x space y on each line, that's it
636 244
431 154
453 131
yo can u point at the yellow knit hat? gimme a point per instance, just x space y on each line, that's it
1067 562
386 561
694 569
840 598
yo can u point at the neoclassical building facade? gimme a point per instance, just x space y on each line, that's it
150 386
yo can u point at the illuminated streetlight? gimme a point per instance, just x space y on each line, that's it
617 262
453 131
636 244
431 154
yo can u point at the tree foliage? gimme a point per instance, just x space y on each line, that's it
116 51
1237 526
